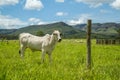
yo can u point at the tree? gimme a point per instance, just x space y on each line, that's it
118 31
39 33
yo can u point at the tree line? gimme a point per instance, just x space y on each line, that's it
41 33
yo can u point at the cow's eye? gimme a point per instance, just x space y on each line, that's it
60 34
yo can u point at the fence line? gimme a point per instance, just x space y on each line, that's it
107 41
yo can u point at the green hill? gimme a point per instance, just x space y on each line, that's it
101 28
104 30
67 30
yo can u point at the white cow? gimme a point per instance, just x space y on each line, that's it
45 44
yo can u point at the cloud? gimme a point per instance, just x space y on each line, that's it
95 3
8 22
104 11
8 2
81 20
61 14
41 22
35 21
33 5
59 1
116 4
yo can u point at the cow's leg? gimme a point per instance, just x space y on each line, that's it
43 55
22 50
50 57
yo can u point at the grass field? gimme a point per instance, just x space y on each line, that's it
69 62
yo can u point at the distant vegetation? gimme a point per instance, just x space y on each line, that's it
104 30
40 33
118 31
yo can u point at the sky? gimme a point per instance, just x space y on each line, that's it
21 13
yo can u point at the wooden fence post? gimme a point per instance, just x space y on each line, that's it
88 57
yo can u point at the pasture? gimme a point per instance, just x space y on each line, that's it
68 62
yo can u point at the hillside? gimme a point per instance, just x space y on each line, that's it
7 31
101 28
48 28
105 30
67 30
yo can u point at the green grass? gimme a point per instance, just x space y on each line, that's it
69 62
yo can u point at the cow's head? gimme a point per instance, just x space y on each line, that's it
57 35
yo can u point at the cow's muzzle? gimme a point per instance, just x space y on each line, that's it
59 40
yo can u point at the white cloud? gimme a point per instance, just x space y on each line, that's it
35 21
60 1
82 19
8 2
33 5
103 11
7 22
95 3
41 22
61 14
116 4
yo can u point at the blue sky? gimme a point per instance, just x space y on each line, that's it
21 13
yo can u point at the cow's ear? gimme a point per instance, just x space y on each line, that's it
54 33
61 34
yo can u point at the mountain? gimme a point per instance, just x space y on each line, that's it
80 26
7 31
67 30
101 28
104 30
48 28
